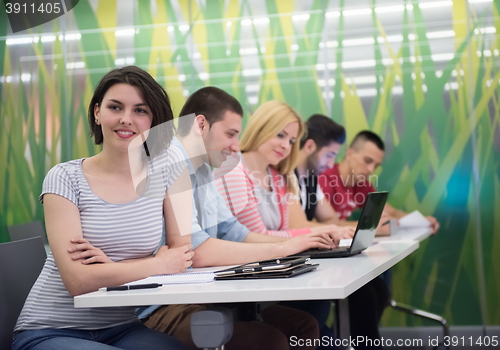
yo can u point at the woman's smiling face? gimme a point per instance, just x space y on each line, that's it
123 115
279 147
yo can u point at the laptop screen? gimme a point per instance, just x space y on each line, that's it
368 221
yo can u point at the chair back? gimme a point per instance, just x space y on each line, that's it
28 230
20 264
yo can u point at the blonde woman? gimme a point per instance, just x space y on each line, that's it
261 188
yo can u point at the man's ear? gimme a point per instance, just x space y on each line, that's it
349 153
309 147
200 124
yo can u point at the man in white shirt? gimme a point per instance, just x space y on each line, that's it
318 150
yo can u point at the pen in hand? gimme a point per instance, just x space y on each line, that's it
131 287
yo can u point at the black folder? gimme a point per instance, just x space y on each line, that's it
274 268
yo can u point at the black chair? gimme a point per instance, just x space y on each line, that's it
28 230
426 315
20 264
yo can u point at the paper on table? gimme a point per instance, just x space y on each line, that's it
346 242
414 219
190 276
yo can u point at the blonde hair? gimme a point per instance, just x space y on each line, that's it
267 122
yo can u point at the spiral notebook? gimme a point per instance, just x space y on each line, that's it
178 278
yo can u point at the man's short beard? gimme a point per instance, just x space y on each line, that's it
311 162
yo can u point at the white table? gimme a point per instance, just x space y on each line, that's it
334 279
408 234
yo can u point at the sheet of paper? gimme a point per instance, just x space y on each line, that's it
414 219
208 269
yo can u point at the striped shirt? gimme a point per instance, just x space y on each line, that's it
238 188
122 231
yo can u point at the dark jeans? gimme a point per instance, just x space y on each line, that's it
279 327
366 306
130 336
320 309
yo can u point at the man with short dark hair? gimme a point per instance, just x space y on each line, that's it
211 102
347 184
318 149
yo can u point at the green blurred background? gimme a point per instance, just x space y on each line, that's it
422 74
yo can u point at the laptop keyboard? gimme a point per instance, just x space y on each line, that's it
317 251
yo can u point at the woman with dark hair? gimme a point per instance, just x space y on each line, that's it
109 209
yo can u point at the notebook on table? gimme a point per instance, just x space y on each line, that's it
188 277
365 230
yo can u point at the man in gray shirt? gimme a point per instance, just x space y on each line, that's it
207 134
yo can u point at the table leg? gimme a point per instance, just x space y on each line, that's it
342 320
